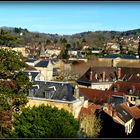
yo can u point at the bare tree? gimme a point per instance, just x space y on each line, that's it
91 126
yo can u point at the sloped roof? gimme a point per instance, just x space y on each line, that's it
31 60
134 111
125 86
29 68
43 63
98 96
33 74
62 91
122 113
124 56
88 111
111 73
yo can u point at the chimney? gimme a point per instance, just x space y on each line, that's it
119 73
30 76
76 91
103 78
91 75
96 76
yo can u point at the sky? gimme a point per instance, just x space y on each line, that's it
67 18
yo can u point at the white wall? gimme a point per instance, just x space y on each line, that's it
101 86
129 126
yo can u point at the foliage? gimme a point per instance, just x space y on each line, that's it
8 39
91 126
13 84
64 54
11 63
45 122
22 82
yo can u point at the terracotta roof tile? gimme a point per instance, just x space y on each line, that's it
98 96
134 111
124 86
88 111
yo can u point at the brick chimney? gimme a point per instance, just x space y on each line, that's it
91 75
104 76
119 73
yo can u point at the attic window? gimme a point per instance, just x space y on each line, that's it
130 91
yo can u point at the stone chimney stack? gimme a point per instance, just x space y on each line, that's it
76 91
119 73
104 76
91 75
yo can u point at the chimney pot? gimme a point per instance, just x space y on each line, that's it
119 73
104 76
91 76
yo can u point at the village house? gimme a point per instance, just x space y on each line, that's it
17 49
103 77
112 103
58 94
131 90
44 66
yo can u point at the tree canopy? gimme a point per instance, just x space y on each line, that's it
45 122
13 85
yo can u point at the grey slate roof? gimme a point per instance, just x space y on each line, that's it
115 100
33 74
124 56
31 60
53 90
43 63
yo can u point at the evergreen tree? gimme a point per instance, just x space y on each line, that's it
45 122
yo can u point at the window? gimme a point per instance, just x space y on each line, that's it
133 99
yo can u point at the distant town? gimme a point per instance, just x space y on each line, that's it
94 77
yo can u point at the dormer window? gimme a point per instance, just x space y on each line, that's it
130 91
133 99
115 89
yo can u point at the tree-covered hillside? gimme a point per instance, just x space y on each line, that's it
12 36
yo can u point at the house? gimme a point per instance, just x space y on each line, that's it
17 49
58 94
131 90
113 48
99 97
117 60
98 78
103 77
122 116
43 66
46 69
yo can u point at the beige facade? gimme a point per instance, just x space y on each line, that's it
46 73
133 99
71 106
129 125
120 62
101 85
52 51
17 49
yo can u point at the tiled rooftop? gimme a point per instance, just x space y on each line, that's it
98 96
